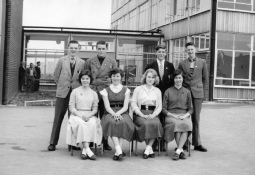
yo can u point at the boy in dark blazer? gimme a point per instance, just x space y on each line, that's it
195 76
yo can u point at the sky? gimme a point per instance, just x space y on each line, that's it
67 13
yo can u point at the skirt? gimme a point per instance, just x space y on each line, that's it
90 131
173 125
122 129
147 128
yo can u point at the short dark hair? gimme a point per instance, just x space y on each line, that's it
116 71
74 42
189 44
38 62
88 73
160 47
177 72
101 43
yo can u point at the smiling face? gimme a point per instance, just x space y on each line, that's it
85 80
178 80
116 79
161 53
73 49
150 79
191 51
101 50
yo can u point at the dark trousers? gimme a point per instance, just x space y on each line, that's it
36 84
61 107
195 117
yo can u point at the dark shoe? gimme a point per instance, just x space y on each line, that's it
152 155
182 155
51 147
176 156
91 145
200 148
120 157
83 156
145 156
107 147
115 157
76 148
93 157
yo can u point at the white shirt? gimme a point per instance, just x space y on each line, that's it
159 63
115 89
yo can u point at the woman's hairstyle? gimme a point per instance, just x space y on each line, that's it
177 72
154 74
116 71
86 72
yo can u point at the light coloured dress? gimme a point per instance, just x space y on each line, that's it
84 101
177 101
147 128
124 128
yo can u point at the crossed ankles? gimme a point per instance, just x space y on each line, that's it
87 154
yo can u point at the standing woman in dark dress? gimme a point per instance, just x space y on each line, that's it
147 105
116 121
177 107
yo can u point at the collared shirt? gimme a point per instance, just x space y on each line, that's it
31 72
72 61
159 63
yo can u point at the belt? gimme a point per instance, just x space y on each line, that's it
116 105
83 109
146 107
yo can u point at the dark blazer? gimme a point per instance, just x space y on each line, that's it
167 80
38 72
195 82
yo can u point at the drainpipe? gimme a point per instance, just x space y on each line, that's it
212 47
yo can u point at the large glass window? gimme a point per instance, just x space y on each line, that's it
202 42
178 51
253 70
245 5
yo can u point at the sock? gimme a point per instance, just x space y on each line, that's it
118 150
151 150
89 152
181 150
147 150
84 151
178 151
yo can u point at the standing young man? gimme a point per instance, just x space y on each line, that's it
100 67
194 78
38 76
66 76
165 71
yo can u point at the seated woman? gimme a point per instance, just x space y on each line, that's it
116 121
177 107
147 105
85 125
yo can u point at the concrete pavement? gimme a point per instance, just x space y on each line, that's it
227 132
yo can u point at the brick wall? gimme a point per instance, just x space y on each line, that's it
13 44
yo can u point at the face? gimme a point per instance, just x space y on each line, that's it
101 50
161 53
38 64
150 79
85 80
191 51
178 80
116 78
31 65
73 49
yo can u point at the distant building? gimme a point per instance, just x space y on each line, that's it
190 20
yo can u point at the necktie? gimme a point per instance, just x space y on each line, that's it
72 62
161 69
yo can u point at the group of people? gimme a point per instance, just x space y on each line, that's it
166 106
30 75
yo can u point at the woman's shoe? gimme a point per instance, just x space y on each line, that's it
176 156
145 156
115 157
152 155
83 156
93 157
182 155
120 157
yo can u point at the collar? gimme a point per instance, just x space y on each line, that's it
159 62
192 59
146 89
71 58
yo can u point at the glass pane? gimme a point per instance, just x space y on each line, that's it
243 42
225 5
202 43
242 65
224 82
254 39
244 1
197 42
224 64
243 7
253 70
241 83
225 40
207 43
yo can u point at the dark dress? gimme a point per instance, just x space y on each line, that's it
177 101
122 129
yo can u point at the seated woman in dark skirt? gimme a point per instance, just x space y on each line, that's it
147 104
116 121
177 107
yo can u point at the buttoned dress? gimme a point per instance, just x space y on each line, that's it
177 101
123 128
84 101
147 128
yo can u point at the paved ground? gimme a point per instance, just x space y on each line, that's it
227 131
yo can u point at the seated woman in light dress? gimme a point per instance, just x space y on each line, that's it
116 121
177 107
83 106
147 104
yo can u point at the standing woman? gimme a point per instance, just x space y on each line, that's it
85 125
177 107
147 105
116 121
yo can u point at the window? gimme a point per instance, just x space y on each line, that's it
202 42
178 51
245 5
235 60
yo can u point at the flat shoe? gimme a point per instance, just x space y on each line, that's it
145 156
51 147
152 155
176 156
93 157
182 155
83 156
120 157
115 157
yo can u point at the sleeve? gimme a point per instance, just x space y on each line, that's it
72 101
165 103
95 102
127 91
134 100
205 74
57 70
189 103
104 92
159 102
